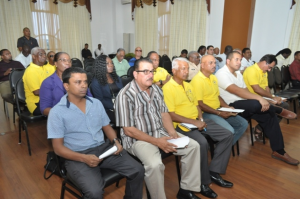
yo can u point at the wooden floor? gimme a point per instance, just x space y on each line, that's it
254 173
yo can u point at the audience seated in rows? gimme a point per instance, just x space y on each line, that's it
146 127
216 51
207 93
236 50
295 70
81 141
24 57
184 53
228 49
121 64
246 61
27 40
282 56
194 64
235 93
137 55
6 65
210 51
160 75
86 53
106 84
183 108
98 51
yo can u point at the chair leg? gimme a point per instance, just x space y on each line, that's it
6 108
237 148
178 169
232 149
14 114
27 137
20 126
251 132
62 194
117 183
295 106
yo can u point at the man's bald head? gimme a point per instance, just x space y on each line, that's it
208 64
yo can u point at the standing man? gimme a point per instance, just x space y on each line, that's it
6 65
206 89
121 64
81 143
24 57
27 40
228 49
146 127
194 64
86 53
210 51
138 55
98 51
295 70
183 108
235 93
246 61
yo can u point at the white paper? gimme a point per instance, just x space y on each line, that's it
108 152
180 142
188 126
231 110
270 99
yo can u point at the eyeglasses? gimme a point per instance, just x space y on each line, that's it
65 60
42 54
146 72
138 50
51 55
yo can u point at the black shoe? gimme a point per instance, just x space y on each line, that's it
219 181
184 194
207 191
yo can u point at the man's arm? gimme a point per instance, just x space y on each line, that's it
180 119
208 109
111 135
265 93
36 92
168 124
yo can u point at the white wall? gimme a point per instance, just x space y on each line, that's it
110 19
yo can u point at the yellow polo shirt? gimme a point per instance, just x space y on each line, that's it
206 89
160 74
180 99
253 75
49 69
33 77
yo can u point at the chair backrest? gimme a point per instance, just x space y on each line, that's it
286 76
76 63
163 58
126 80
14 76
168 66
277 75
130 72
20 94
88 62
271 80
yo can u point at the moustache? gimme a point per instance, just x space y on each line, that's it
151 79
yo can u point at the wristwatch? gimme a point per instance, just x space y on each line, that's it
114 140
160 81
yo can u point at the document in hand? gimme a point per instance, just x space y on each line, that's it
188 126
180 142
231 110
270 99
108 152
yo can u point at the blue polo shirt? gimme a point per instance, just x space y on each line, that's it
80 130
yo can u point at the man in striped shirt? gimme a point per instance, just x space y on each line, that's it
146 127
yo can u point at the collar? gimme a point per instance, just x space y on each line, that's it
136 87
68 102
200 74
34 65
257 68
174 83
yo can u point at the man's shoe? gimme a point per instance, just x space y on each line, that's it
184 194
222 183
207 191
288 114
285 158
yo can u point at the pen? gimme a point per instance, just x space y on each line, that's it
201 119
120 154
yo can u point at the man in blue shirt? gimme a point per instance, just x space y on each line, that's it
75 126
138 55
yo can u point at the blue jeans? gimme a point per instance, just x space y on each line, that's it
235 124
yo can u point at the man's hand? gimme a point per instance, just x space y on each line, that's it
91 160
164 145
225 115
8 71
278 100
265 105
201 125
173 135
219 59
120 148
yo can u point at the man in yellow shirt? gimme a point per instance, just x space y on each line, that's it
50 67
183 108
33 77
161 75
206 89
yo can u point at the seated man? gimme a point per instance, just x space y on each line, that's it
98 51
138 55
160 75
6 65
235 93
282 57
146 126
216 51
201 51
121 64
184 53
86 53
295 70
183 108
206 90
81 143
33 77
210 51
50 66
194 64
24 57
223 56
246 61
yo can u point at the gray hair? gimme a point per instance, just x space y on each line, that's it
35 50
176 60
120 49
190 54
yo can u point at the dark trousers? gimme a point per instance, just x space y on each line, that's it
267 120
296 84
111 115
222 151
89 179
37 110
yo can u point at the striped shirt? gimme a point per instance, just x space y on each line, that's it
135 108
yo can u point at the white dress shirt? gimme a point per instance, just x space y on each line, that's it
245 63
25 61
223 62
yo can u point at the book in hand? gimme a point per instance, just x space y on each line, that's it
231 110
188 126
109 152
180 142
270 99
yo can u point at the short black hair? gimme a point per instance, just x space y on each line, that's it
284 51
57 55
244 50
296 53
200 48
184 51
137 63
230 55
150 53
269 58
1 51
228 48
209 47
69 71
86 44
